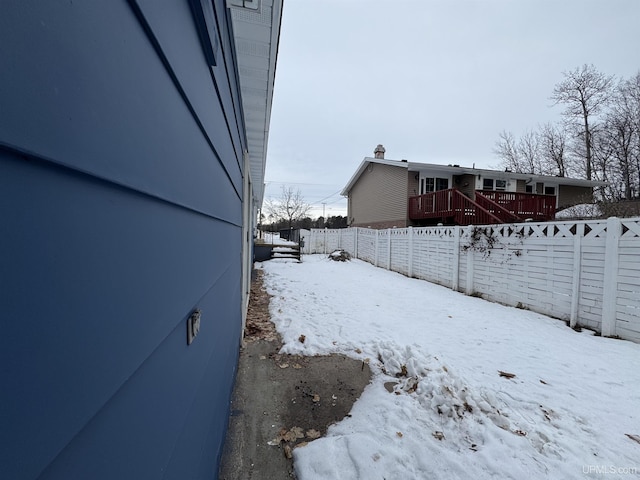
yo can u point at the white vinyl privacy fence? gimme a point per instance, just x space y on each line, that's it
584 272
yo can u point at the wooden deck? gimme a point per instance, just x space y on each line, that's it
489 207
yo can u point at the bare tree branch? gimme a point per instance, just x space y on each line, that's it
553 142
529 149
507 150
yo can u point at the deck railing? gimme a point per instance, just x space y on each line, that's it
525 205
489 207
431 205
498 210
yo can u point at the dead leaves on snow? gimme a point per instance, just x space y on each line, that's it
412 384
506 374
548 414
635 438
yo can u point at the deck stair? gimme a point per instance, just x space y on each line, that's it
286 251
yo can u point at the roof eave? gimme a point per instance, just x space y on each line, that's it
256 30
505 174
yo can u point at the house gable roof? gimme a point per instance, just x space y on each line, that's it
363 165
457 170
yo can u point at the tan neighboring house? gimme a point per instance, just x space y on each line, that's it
397 193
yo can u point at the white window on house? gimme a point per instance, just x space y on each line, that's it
442 184
433 184
493 184
549 190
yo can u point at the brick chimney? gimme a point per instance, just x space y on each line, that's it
379 151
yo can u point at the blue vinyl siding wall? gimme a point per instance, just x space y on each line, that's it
120 213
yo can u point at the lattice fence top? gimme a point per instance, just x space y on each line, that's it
585 228
434 231
630 227
367 232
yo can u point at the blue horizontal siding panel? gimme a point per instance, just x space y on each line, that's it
156 426
184 54
227 76
121 213
84 86
99 278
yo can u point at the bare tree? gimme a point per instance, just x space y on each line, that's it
631 91
584 91
620 136
553 143
529 149
507 150
621 139
290 207
604 165
521 155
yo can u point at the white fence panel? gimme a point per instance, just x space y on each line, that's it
591 283
347 240
433 254
628 286
333 239
314 243
400 250
367 244
383 250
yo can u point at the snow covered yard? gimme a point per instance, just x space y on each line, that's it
462 388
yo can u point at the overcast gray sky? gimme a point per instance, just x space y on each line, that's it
433 81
